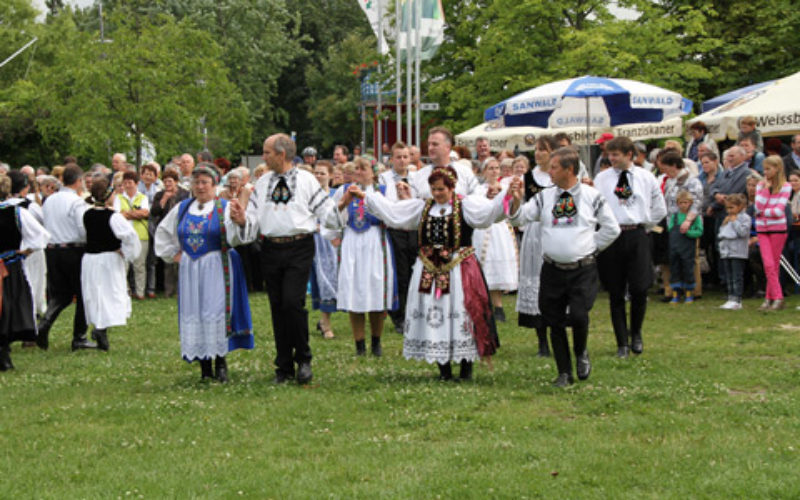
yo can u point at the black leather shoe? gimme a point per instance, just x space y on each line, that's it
361 347
584 367
499 315
622 352
466 371
377 351
82 343
5 360
281 378
43 338
221 370
563 380
101 336
206 370
445 371
304 373
636 345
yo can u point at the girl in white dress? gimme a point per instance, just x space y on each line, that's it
366 272
111 244
448 313
530 255
496 247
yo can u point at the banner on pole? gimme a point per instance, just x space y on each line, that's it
372 9
431 27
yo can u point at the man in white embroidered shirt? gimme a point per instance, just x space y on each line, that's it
440 143
283 211
576 224
635 198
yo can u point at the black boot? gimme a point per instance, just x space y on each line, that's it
206 370
361 347
43 335
82 343
466 370
544 349
221 369
5 359
445 371
101 336
376 347
499 315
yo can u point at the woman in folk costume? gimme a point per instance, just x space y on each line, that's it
530 253
111 244
325 269
213 310
448 313
21 234
496 247
366 271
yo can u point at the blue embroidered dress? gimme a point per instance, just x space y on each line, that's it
206 287
325 270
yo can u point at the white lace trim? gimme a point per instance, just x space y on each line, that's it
203 339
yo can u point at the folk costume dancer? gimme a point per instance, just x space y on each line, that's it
496 247
367 284
213 310
21 234
448 316
283 211
34 264
530 253
325 267
111 244
635 198
404 243
63 219
576 223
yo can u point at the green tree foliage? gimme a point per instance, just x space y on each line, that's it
335 91
156 80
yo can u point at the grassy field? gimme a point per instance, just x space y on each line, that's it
710 410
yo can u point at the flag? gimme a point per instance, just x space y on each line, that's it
431 27
371 9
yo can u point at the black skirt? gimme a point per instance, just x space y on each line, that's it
17 319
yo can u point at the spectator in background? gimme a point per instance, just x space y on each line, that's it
690 164
205 157
774 146
416 158
482 151
223 165
58 172
163 202
47 186
698 133
792 160
187 166
134 207
747 126
340 154
463 152
640 157
42 171
310 156
753 157
119 162
260 170
772 196
601 143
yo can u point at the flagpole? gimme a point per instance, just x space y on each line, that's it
378 148
409 70
397 73
418 55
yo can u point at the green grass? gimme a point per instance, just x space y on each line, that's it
710 410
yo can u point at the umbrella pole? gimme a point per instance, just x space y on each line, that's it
588 154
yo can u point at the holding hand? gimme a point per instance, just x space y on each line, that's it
403 191
237 212
354 191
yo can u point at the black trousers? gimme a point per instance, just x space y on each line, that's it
286 267
626 266
681 260
64 282
561 289
404 244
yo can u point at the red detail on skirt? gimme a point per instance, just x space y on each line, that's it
476 302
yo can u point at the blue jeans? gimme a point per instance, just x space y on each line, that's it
734 276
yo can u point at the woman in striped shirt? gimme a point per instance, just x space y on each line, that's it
772 195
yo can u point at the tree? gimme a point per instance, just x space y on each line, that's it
157 80
335 92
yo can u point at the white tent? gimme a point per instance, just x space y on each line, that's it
524 138
775 107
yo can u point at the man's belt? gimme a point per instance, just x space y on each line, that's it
286 239
66 245
571 266
631 227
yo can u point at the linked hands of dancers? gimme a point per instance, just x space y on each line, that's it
403 191
517 191
237 212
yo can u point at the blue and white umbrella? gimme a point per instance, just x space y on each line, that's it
589 101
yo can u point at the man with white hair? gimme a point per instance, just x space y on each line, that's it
4 168
732 180
119 163
186 165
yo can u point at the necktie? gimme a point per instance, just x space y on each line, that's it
281 193
564 207
623 190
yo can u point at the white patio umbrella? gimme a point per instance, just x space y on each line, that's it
775 107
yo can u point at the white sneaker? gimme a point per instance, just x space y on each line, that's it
727 305
736 306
